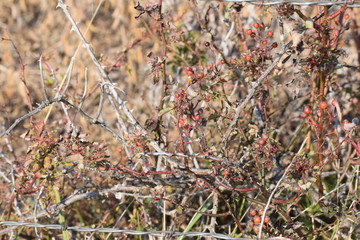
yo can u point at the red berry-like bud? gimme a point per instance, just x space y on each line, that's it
197 117
200 75
307 110
249 31
222 61
262 25
182 122
346 16
190 73
253 35
226 172
261 142
264 42
256 25
274 45
323 105
265 137
270 33
257 219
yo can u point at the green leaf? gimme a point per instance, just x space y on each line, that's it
166 110
214 116
196 217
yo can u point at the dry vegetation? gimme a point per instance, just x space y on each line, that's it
203 125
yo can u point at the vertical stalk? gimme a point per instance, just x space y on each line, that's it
163 57
62 220
163 69
321 96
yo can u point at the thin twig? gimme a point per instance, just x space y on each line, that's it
276 187
83 97
22 76
35 211
75 54
252 91
71 66
42 79
105 78
77 197
214 211
101 103
45 104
